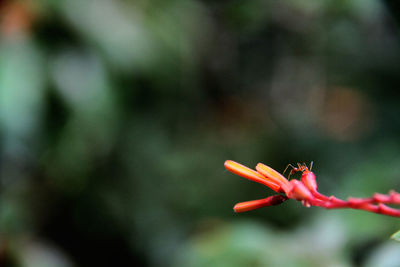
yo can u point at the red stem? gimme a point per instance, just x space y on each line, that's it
360 203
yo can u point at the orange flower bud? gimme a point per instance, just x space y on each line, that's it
259 203
273 175
250 174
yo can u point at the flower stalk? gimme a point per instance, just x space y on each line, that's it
305 190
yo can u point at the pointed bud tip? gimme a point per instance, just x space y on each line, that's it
308 179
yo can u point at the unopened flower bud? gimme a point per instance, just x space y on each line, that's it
299 191
250 174
308 179
259 203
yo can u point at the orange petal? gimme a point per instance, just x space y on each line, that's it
250 174
259 203
272 175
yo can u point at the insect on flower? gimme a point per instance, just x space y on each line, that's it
307 176
305 190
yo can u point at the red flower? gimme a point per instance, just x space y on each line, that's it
305 191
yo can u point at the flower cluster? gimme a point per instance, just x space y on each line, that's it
305 190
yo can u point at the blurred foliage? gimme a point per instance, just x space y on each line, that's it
396 236
116 117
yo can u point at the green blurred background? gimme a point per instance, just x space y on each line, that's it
116 117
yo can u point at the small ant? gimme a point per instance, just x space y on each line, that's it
300 168
307 176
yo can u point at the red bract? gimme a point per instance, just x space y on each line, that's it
305 190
